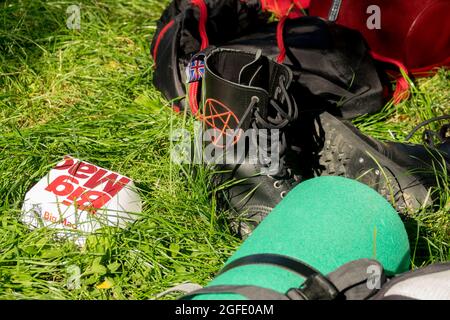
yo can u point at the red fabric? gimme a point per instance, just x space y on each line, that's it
415 32
392 61
194 87
280 39
431 70
281 8
193 93
201 5
160 36
176 108
402 92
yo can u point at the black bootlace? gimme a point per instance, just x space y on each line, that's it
284 116
430 136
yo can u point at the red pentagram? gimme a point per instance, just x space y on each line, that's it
222 120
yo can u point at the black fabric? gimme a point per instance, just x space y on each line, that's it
331 64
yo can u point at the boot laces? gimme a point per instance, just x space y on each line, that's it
286 113
429 136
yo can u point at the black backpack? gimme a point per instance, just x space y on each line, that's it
186 27
332 67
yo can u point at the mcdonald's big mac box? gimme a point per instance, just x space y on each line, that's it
78 198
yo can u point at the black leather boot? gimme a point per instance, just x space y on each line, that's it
242 93
427 161
403 173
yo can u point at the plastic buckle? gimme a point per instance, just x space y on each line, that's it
316 287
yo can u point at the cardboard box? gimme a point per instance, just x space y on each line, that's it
78 198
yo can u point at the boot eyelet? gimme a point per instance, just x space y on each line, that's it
283 194
277 184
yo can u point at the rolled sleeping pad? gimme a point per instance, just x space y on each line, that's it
325 222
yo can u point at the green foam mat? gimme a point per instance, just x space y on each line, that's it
325 222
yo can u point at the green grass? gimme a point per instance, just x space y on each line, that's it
90 94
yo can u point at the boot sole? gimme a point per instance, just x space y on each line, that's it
346 154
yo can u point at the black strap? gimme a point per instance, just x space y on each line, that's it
348 282
352 279
425 123
315 287
296 266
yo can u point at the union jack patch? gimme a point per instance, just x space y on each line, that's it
195 70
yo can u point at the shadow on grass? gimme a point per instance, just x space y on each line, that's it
422 253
